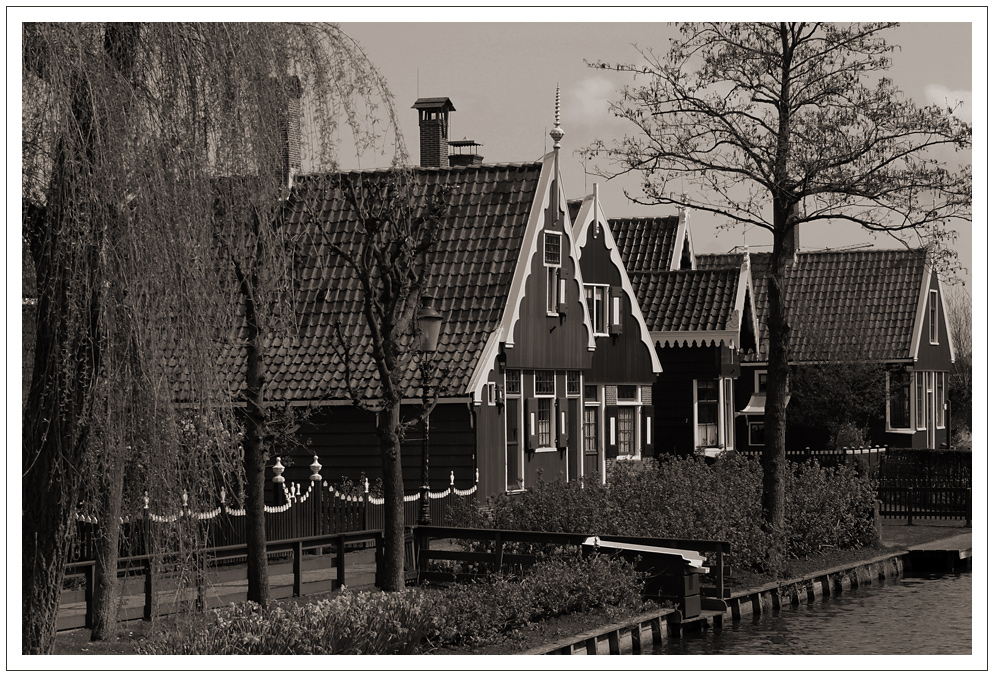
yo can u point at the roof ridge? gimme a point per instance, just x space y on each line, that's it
376 170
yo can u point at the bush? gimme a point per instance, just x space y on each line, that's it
478 611
350 623
694 498
830 507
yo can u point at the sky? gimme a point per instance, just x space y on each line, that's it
502 79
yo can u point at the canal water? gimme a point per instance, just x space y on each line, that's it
920 615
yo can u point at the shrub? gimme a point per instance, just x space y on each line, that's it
693 498
350 623
828 507
478 611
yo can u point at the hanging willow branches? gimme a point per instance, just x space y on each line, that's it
155 158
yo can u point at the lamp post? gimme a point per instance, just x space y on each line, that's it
429 324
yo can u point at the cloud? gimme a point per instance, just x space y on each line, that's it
589 101
940 95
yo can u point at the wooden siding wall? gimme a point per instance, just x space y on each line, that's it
934 357
345 441
490 442
623 358
673 394
543 342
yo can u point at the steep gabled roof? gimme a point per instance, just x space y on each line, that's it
845 304
480 239
688 300
646 244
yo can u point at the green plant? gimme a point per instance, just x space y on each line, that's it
350 623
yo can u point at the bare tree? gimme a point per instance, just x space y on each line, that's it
127 133
389 254
779 124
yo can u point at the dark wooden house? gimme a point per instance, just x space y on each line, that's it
618 411
518 347
881 306
700 319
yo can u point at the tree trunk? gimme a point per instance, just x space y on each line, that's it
255 452
54 438
392 575
107 548
775 449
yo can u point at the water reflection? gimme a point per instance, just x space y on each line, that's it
914 615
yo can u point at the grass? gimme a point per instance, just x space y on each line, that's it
897 536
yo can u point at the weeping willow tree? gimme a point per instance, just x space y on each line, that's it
155 161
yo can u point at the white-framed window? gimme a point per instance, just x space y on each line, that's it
757 431
514 446
591 428
545 382
759 381
628 432
940 399
545 405
920 400
899 400
572 384
491 394
712 413
933 317
555 286
597 305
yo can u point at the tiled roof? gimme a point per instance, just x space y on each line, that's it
646 244
844 304
474 263
706 261
686 300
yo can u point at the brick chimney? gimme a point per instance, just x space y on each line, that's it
465 153
433 114
289 131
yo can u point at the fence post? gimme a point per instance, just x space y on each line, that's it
909 500
721 573
150 600
365 505
340 560
298 561
88 590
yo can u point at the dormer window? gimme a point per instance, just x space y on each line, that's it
933 317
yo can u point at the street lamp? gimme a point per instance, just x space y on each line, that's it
429 324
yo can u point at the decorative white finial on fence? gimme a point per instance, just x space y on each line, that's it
185 498
315 470
278 472
146 500
366 485
222 495
452 478
477 475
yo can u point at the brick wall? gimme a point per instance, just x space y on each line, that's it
434 144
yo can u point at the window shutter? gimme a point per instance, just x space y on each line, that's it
562 423
531 424
611 432
648 436
614 310
560 292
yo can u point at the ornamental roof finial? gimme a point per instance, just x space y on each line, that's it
557 132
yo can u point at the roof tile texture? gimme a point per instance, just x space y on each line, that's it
480 238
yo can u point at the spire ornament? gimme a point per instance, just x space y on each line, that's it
557 132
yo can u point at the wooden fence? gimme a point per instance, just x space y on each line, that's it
926 501
318 511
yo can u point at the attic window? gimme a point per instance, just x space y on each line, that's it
553 245
933 317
